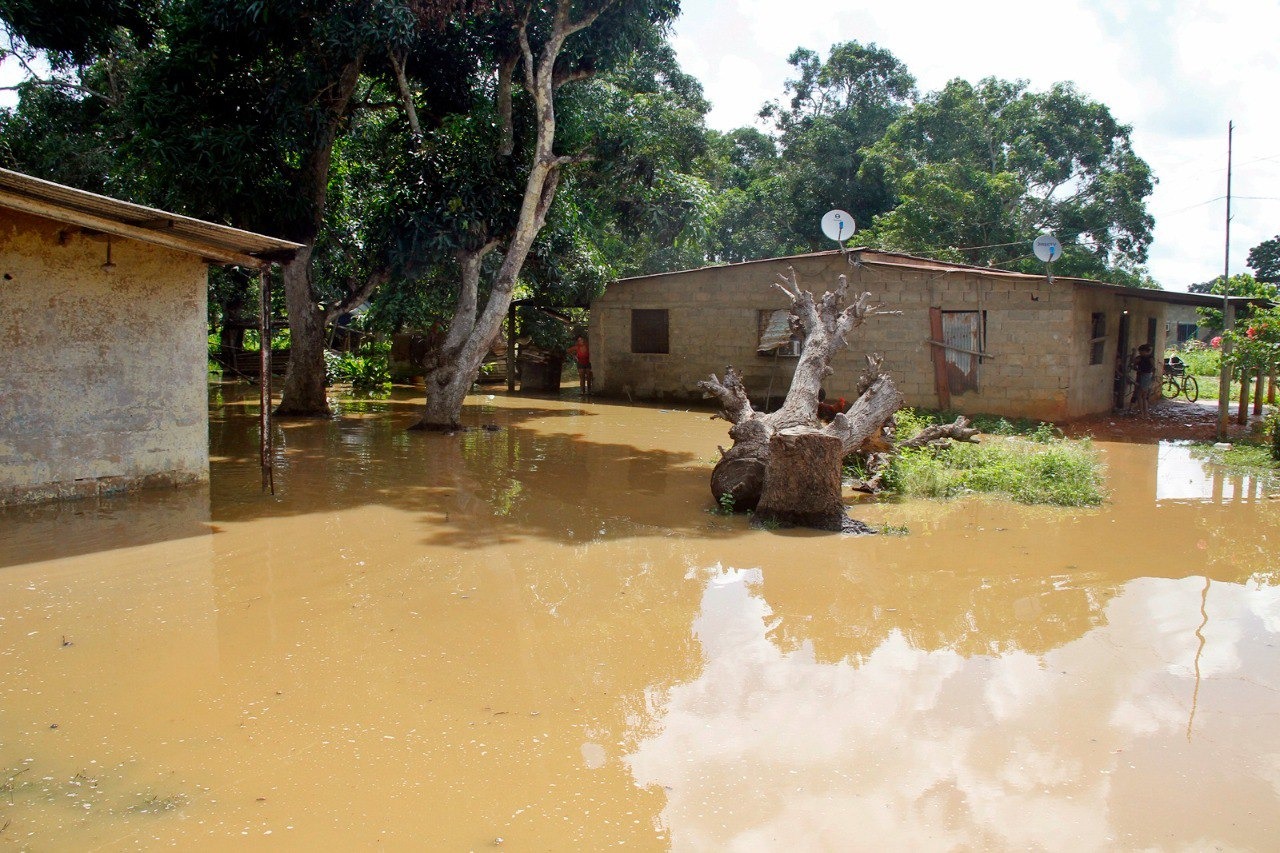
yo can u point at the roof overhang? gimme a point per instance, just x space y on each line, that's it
213 243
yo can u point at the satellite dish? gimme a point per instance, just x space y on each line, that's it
1047 248
837 225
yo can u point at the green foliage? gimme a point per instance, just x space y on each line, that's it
1032 463
1273 434
1264 260
366 370
1200 359
1241 284
912 421
1059 472
725 506
978 170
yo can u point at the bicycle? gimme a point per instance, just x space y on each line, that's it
1178 381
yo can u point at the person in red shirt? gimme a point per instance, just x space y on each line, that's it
582 355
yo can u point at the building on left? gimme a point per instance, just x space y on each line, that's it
104 339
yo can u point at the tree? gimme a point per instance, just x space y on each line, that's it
978 171
837 110
233 109
784 465
1241 284
534 49
1264 260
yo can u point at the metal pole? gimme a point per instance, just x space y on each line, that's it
264 383
1228 316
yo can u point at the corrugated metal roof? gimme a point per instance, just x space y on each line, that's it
875 257
215 243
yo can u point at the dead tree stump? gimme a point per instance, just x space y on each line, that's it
802 480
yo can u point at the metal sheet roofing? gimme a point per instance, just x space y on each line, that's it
875 257
218 244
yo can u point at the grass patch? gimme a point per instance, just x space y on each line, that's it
911 421
1058 472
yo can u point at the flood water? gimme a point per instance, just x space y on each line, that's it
539 638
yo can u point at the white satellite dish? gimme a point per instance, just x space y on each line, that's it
1047 248
837 225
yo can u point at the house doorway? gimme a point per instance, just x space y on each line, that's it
1122 362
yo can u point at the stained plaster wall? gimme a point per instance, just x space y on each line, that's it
103 372
1032 333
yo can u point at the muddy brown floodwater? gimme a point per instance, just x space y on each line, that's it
538 637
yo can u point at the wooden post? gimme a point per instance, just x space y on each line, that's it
939 360
1271 387
264 381
1257 393
1242 413
511 347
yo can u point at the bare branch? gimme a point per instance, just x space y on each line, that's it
958 430
732 395
406 95
356 296
582 23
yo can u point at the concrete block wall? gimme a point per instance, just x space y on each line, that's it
1034 334
103 371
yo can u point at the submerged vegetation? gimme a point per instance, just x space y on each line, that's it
1032 463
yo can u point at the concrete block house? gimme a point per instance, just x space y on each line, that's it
970 339
103 340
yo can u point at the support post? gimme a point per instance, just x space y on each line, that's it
511 347
264 381
1257 392
1242 412
1228 315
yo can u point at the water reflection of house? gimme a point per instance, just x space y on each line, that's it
103 339
973 339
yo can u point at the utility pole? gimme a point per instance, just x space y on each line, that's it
1228 316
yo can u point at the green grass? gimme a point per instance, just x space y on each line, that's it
1061 473
1031 463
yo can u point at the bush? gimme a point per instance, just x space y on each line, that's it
1201 360
366 370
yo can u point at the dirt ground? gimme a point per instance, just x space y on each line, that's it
1167 420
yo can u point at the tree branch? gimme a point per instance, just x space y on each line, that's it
506 71
406 95
357 296
732 395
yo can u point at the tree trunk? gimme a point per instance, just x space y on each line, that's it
802 480
470 335
785 465
304 390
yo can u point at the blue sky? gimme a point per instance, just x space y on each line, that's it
1177 72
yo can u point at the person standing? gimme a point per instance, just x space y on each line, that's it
582 355
1145 366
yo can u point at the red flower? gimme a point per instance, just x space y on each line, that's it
1251 332
1216 341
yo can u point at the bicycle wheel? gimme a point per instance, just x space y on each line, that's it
1191 387
1170 386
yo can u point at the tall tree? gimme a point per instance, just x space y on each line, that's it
978 171
500 200
837 109
1264 260
235 107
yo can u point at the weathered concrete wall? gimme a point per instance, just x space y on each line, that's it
1092 385
713 323
103 372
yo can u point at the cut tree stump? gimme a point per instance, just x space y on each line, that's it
802 482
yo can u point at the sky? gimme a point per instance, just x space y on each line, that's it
1176 72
